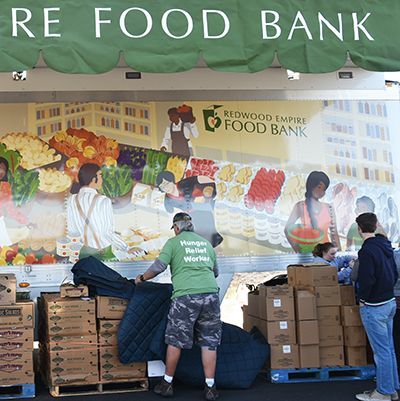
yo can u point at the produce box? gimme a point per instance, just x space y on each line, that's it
16 338
351 316
284 356
16 372
111 307
54 304
331 356
19 315
61 342
73 291
305 305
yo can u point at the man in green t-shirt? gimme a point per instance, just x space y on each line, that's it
194 315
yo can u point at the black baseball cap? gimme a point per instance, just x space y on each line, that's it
181 216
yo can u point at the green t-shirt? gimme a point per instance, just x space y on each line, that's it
191 259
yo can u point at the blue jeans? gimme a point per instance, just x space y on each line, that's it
378 324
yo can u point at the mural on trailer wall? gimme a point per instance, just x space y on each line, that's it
258 178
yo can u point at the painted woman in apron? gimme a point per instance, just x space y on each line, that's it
178 132
7 207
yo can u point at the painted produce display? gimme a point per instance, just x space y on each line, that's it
104 179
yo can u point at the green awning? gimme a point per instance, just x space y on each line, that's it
90 36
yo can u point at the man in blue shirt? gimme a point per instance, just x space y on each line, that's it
377 276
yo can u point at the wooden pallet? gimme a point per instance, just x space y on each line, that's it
17 391
121 386
331 373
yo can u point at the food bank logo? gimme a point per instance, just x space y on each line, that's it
211 119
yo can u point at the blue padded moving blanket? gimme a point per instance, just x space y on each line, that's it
241 355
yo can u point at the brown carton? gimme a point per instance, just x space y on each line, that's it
253 306
309 356
108 332
305 305
284 356
354 336
307 332
253 322
111 307
330 336
327 296
273 292
74 377
109 360
279 303
55 305
8 289
18 315
72 317
331 356
15 356
351 316
347 295
19 338
313 275
59 342
68 359
291 273
328 315
74 291
281 332
246 323
69 328
355 356
15 373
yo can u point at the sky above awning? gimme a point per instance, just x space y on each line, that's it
308 36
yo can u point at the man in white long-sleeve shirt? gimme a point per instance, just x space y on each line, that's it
177 134
90 216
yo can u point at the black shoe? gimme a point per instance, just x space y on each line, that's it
164 389
211 393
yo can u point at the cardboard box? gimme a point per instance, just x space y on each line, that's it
284 356
315 275
19 338
71 317
355 356
110 326
15 373
327 296
19 315
109 361
291 274
331 356
328 315
74 291
59 342
281 332
67 359
73 377
245 318
354 336
253 322
111 307
347 295
272 292
351 316
55 305
305 305
253 304
330 336
8 289
279 303
15 356
309 356
76 327
307 332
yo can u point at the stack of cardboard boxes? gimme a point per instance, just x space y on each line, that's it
68 340
312 322
78 339
109 314
16 336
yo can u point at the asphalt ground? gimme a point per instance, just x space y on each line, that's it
261 390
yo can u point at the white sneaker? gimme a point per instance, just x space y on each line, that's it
373 396
393 397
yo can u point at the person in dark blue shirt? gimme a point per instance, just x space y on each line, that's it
377 276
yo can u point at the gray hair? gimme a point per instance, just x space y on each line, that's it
185 225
